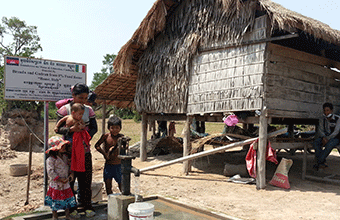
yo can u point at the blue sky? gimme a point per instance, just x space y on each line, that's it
83 31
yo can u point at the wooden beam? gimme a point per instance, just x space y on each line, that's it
209 152
291 145
171 117
251 42
144 135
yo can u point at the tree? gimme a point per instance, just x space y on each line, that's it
105 71
25 43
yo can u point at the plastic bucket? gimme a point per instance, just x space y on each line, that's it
18 169
141 211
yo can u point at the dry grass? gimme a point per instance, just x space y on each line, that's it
133 130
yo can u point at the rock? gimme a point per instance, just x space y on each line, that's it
15 132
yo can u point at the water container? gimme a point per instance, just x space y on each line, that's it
141 211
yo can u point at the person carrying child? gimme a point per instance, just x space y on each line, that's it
59 195
80 139
110 151
80 94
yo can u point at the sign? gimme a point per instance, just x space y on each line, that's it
41 80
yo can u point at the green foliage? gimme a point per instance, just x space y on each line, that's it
124 113
105 71
137 117
25 42
52 109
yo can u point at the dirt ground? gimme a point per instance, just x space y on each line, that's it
204 187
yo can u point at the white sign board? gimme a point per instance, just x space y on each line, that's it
41 80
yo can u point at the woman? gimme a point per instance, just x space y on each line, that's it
80 94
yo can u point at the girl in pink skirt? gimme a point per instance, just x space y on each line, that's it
59 195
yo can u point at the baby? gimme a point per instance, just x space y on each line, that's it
74 119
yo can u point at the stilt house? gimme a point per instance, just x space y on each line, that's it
205 58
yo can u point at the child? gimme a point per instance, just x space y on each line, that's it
59 194
74 119
110 151
79 139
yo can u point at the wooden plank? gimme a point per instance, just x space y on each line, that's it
304 67
294 94
284 70
306 110
303 56
283 145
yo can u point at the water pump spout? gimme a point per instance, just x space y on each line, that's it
135 171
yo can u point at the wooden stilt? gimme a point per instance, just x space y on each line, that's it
261 152
186 145
104 116
143 151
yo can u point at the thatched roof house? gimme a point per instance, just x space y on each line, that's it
197 57
205 58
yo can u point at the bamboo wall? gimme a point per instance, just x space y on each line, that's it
229 79
298 83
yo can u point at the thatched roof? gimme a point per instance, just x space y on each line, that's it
119 88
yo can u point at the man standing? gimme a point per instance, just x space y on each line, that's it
327 137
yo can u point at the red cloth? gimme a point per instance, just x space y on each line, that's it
56 194
251 158
80 141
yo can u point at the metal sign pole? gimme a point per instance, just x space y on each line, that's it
45 146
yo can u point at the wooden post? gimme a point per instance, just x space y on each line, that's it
304 162
143 141
153 125
29 169
261 152
104 116
186 145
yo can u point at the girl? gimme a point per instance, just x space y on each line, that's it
59 194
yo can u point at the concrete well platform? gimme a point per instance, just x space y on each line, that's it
164 209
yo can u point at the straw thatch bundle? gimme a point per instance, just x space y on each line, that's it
160 51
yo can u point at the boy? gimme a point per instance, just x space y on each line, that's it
110 151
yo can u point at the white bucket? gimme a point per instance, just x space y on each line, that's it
141 211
